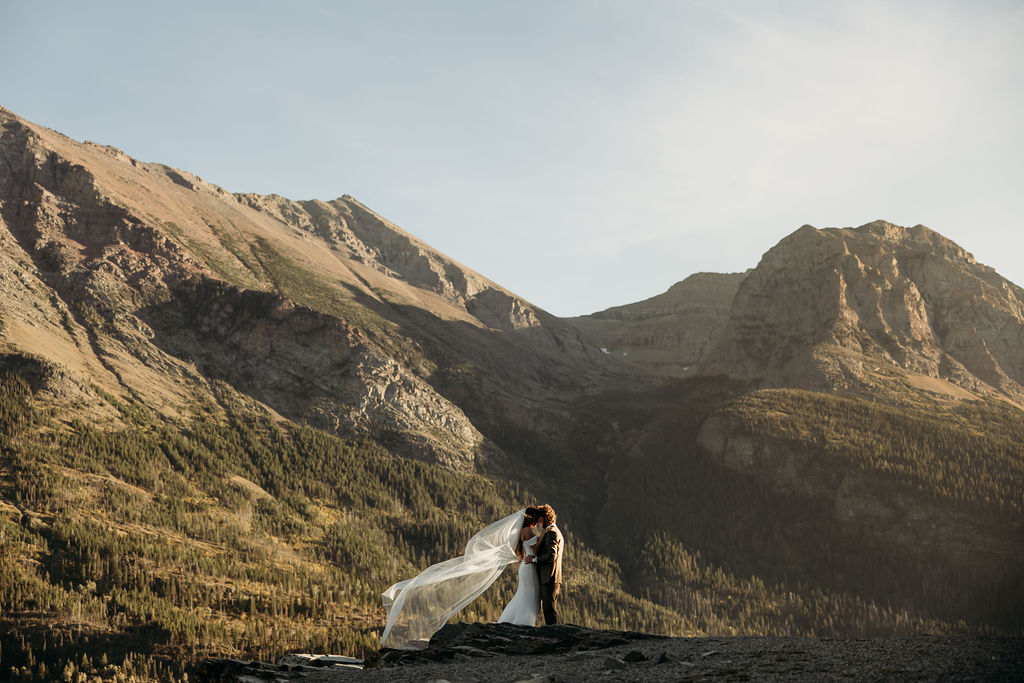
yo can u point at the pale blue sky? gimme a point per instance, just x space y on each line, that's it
582 154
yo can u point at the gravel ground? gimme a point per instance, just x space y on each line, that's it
918 658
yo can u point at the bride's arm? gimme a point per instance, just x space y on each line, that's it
547 553
524 535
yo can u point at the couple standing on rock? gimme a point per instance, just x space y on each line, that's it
418 607
540 569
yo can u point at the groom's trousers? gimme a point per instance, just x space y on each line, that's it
549 601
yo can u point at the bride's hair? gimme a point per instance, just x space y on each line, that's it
530 517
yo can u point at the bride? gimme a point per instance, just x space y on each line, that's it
522 609
418 607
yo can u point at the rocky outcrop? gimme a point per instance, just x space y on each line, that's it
351 227
287 668
313 367
461 640
669 334
454 644
370 240
824 307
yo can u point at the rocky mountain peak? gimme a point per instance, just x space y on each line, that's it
918 238
823 306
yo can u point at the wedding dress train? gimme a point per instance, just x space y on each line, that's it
419 606
522 609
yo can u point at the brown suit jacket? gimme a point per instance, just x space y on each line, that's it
549 556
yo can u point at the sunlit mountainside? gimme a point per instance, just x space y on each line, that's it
229 421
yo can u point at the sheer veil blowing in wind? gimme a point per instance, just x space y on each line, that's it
418 607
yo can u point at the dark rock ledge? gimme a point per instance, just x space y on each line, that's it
573 654
453 643
462 640
289 667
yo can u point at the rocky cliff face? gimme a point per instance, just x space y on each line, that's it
827 308
148 282
669 334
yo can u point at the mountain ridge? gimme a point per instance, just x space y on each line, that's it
669 333
117 235
828 303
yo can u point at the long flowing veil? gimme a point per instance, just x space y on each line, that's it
418 607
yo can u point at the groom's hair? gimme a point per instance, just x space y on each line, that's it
548 513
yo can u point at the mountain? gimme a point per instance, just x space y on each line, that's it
839 309
229 421
147 282
856 422
842 309
668 334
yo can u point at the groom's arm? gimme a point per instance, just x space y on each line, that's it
548 553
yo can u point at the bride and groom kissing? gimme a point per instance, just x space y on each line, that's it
540 569
418 607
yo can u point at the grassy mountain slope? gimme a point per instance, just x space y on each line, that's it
150 546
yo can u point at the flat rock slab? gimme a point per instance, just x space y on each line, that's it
289 667
741 658
506 639
320 660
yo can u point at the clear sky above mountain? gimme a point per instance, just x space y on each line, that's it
581 154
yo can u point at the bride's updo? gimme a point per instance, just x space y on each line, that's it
531 516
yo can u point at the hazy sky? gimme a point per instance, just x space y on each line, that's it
582 154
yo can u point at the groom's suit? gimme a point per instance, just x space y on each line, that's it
549 572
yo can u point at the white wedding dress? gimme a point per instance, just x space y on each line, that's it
419 606
522 609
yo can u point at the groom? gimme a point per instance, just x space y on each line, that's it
549 564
